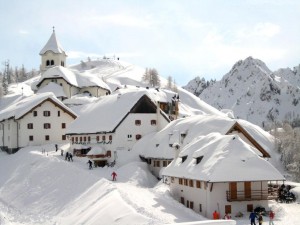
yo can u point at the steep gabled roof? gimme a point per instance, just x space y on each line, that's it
26 105
201 125
52 45
105 115
224 158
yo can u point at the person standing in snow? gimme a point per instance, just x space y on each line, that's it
271 217
252 218
90 164
67 155
62 152
56 147
260 219
70 157
216 215
114 175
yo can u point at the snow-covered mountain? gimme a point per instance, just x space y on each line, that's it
255 93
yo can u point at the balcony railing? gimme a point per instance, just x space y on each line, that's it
270 194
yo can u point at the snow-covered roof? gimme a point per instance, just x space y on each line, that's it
25 105
73 77
185 130
107 113
224 158
52 45
54 88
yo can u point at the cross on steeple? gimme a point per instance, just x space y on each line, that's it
53 29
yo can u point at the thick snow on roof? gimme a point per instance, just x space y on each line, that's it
159 143
54 88
21 107
95 117
52 45
225 158
73 77
96 150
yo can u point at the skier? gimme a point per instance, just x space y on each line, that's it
252 218
271 216
70 157
114 175
90 164
67 156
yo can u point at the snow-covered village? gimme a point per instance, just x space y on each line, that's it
107 141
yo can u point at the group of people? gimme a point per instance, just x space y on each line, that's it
253 216
114 174
69 156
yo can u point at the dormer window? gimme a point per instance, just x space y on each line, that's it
198 159
52 62
48 63
183 158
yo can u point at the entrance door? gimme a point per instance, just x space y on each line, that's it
233 190
247 187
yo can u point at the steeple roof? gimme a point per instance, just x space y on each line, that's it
52 45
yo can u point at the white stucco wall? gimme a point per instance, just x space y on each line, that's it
215 199
49 55
94 91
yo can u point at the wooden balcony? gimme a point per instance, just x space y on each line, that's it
254 195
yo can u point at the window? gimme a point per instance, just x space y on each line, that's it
249 208
64 137
34 113
198 184
63 125
103 138
73 139
47 125
84 139
30 138
62 63
198 159
156 163
153 122
138 137
89 138
188 204
47 137
80 139
108 154
184 158
76 139
138 122
110 137
46 113
185 182
30 125
52 62
180 181
191 183
58 113
200 207
97 138
191 205
129 136
165 163
228 209
48 63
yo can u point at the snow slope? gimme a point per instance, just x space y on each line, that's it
37 188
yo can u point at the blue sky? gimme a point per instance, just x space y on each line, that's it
182 39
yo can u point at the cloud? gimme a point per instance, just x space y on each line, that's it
23 32
260 30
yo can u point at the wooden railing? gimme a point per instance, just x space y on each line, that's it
253 195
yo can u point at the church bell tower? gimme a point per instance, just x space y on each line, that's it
52 54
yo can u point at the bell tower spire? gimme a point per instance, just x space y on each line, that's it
52 54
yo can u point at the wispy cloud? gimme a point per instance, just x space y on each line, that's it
261 30
23 32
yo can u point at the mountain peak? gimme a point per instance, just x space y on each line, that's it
251 63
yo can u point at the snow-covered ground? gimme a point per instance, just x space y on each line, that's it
37 188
